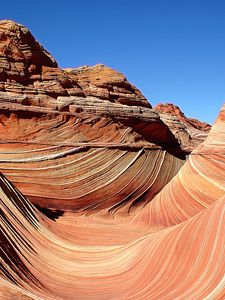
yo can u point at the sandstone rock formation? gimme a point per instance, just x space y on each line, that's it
168 251
200 181
97 200
84 131
189 132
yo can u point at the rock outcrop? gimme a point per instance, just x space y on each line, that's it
97 200
188 131
30 76
85 131
41 259
200 182
31 81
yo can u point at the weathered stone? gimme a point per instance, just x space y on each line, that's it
189 132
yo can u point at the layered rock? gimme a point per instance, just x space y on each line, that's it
31 81
59 124
197 186
105 83
188 131
29 75
69 163
22 57
125 217
46 260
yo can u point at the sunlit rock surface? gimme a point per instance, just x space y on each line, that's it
189 132
80 139
98 196
198 184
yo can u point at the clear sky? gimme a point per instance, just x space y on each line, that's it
172 50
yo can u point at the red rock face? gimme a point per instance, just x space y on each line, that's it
21 56
200 182
51 121
174 110
97 200
189 132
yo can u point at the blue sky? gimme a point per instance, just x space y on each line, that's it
173 51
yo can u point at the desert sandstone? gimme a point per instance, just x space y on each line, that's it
101 195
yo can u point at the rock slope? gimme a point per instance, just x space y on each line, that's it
97 200
85 131
175 251
188 131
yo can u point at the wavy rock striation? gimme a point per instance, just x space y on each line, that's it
176 262
97 200
199 183
85 131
